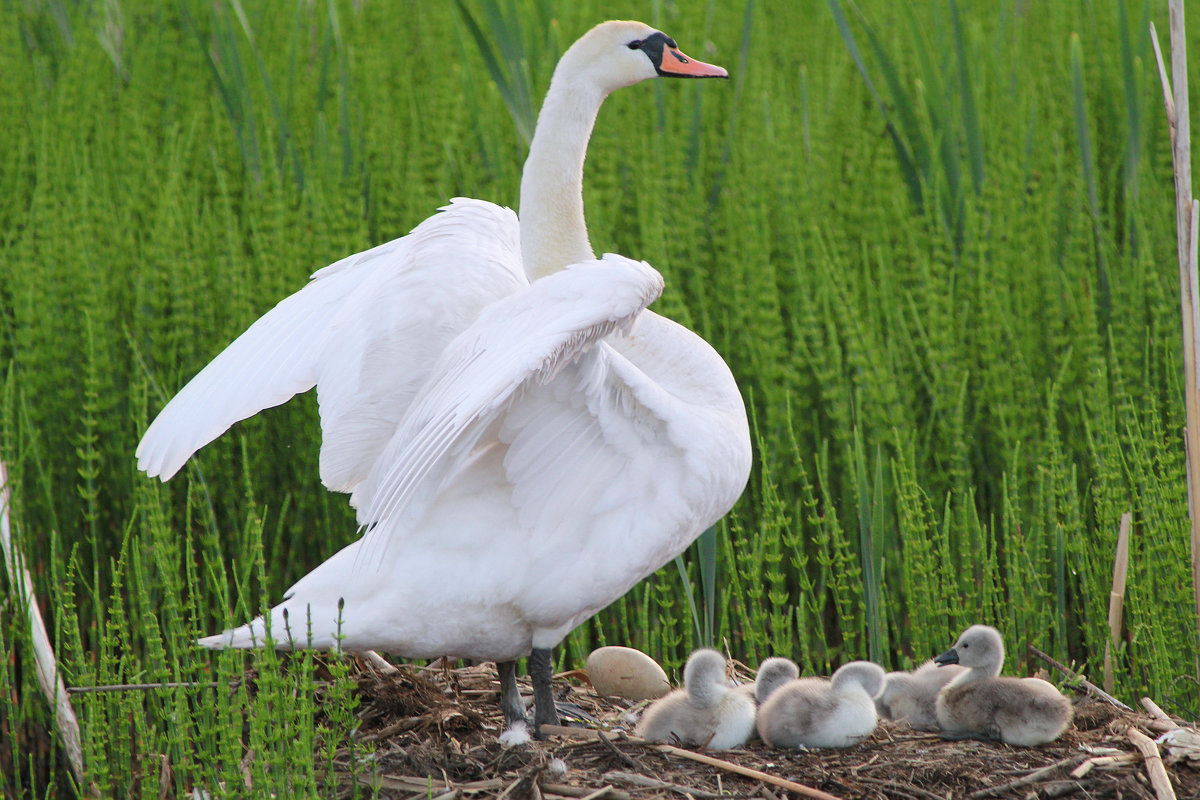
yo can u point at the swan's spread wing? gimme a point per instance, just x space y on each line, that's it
515 350
365 330
380 352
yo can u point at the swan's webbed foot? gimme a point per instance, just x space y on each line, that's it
541 668
510 699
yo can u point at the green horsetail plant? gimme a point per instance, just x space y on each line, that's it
1079 104
872 525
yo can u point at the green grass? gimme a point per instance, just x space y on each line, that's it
948 295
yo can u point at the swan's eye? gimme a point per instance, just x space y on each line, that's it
636 44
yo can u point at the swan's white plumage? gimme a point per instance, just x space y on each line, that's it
520 453
538 458
365 330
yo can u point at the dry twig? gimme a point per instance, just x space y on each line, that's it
1102 761
1153 709
1024 780
1154 764
1070 673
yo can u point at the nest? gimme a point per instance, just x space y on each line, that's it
433 733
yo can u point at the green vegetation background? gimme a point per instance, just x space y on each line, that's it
936 245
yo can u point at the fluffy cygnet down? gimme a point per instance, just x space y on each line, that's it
707 712
772 673
815 712
912 696
979 703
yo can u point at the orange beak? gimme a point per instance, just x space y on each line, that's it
676 65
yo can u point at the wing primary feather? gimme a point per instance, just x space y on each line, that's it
517 342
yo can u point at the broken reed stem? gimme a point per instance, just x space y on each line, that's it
1154 764
1070 673
48 677
1176 101
1102 761
1153 709
379 663
1116 598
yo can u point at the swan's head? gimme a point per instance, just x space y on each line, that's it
621 53
979 646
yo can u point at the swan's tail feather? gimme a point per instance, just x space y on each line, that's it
254 635
245 637
309 627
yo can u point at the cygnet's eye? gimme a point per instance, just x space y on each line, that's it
636 44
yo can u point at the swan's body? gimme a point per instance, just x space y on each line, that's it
815 712
708 712
912 696
980 703
522 439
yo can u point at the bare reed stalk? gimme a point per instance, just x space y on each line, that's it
1116 598
47 667
1185 224
1154 764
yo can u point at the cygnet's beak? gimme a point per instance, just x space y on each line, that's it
948 657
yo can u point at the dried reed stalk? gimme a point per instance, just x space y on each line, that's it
1116 598
1176 102
48 677
1154 764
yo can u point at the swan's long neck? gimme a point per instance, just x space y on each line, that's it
553 230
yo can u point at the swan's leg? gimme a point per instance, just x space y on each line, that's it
510 696
541 667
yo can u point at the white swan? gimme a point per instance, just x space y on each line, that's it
911 696
522 439
815 712
981 703
707 712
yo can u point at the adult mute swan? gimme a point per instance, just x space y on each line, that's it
522 439
981 703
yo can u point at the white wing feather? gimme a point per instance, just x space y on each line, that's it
365 330
515 351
